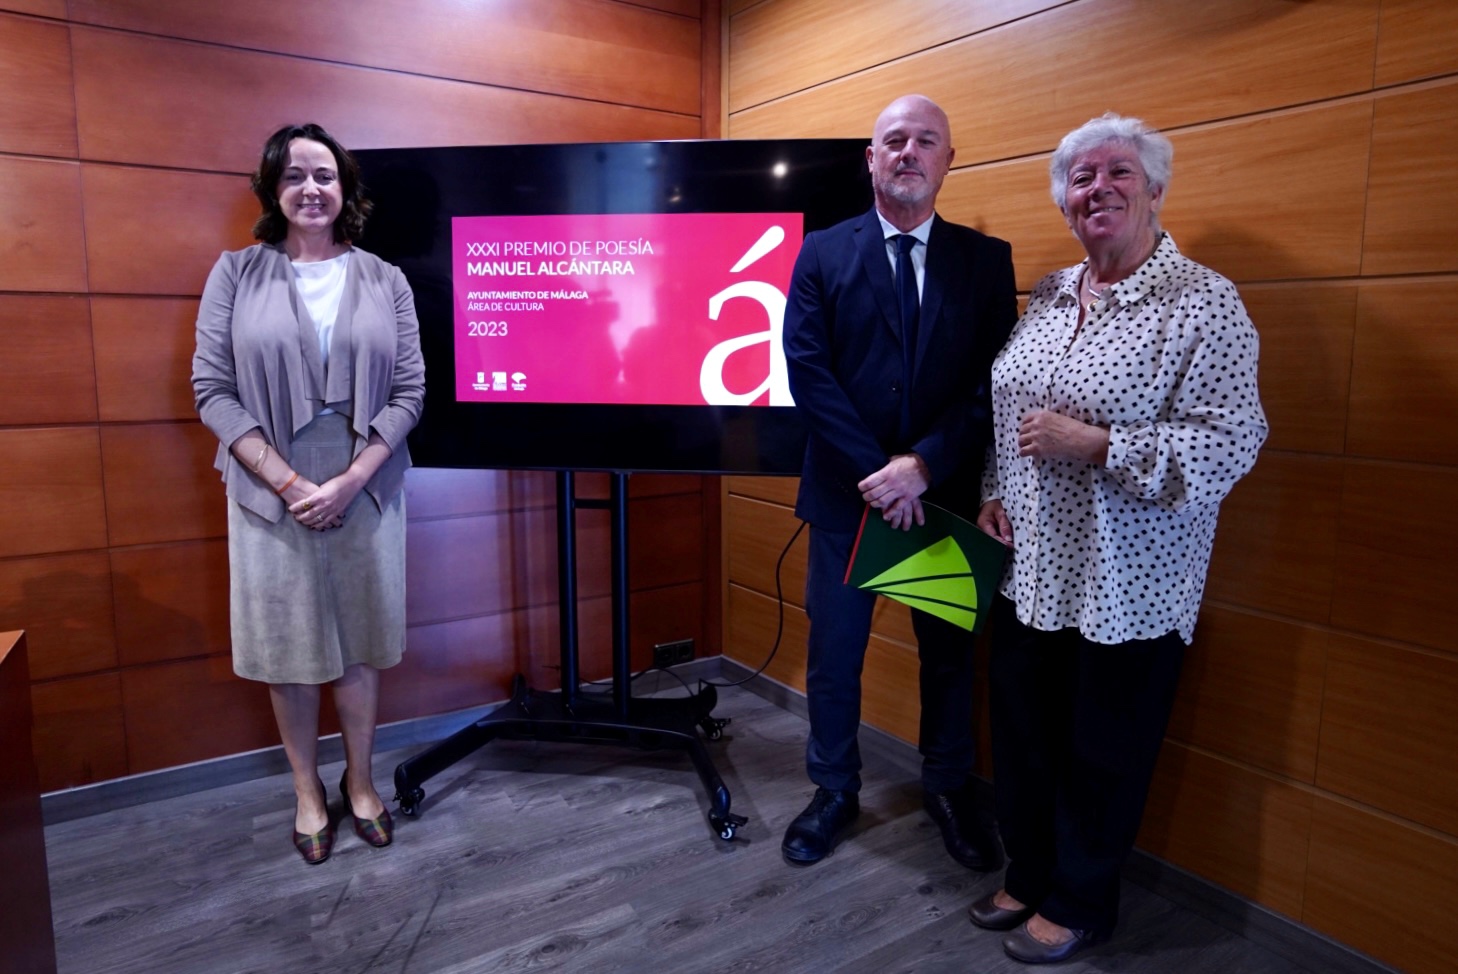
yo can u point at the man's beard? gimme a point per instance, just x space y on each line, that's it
908 195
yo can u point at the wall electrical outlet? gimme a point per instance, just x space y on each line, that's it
677 651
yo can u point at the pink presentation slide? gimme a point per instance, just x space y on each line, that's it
645 308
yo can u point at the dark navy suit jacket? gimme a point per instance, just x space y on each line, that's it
843 349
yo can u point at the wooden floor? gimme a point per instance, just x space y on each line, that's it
537 857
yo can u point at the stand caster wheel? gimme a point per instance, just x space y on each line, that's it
713 727
727 825
410 801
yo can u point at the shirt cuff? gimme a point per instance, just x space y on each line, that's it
1118 448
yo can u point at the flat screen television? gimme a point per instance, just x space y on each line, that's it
613 306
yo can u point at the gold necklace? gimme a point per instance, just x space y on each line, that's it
1088 289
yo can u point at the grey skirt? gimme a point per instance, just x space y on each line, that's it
307 604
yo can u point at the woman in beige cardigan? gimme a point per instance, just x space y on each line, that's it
308 370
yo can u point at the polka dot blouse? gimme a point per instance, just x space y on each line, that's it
1166 361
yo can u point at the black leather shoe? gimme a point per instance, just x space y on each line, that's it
968 841
817 829
986 914
1023 946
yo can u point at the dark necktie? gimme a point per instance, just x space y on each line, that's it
909 302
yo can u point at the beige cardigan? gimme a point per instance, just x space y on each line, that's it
257 364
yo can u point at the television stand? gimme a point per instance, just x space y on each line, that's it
569 716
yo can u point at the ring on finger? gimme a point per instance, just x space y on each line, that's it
308 505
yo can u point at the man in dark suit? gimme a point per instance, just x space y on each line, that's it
891 326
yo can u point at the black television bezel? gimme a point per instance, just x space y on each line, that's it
416 192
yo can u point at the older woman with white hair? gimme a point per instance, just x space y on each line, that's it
1125 408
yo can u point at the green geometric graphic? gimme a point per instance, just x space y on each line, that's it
928 567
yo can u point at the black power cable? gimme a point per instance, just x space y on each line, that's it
779 631
779 624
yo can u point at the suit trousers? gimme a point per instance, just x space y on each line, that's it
1076 729
840 627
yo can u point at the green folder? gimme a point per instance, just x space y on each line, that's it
947 566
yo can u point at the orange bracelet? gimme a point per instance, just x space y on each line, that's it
287 484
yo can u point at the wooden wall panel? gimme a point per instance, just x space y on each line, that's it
471 661
749 627
127 207
662 484
782 46
1416 39
781 490
1382 886
171 601
1210 61
1276 543
80 736
665 535
466 566
684 8
442 492
755 534
1244 830
1011 201
1398 578
464 663
890 693
41 8
251 95
1252 690
143 357
63 602
160 483
1388 737
42 247
663 615
591 49
166 704
1301 218
1306 362
46 373
50 491
656 615
1405 372
594 644
37 114
1408 196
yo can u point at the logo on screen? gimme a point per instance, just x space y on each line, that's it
633 308
772 300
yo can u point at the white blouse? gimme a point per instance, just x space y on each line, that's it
1166 361
321 285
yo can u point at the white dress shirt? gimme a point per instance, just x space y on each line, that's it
922 232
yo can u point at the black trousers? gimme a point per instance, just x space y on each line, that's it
840 626
1076 729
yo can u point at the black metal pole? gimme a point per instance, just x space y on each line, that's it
567 586
622 663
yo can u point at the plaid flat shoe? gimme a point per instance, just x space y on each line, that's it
315 848
378 832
